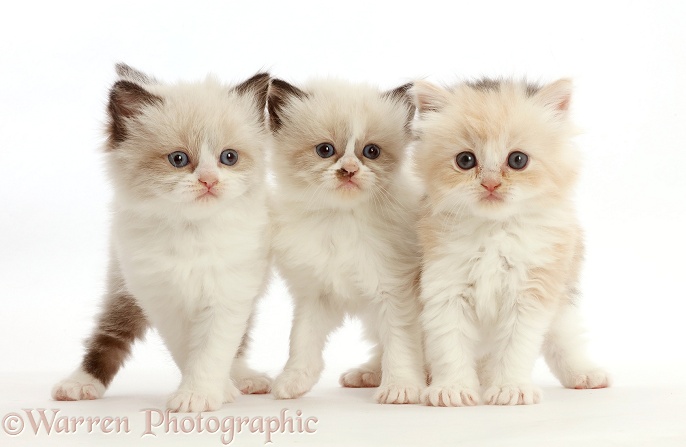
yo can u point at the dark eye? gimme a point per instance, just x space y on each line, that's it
325 150
517 160
229 157
178 159
466 160
371 151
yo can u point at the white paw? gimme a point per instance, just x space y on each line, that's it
188 401
360 378
516 394
79 386
397 394
292 384
588 380
257 384
450 396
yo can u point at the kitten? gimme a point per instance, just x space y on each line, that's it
502 247
344 236
189 246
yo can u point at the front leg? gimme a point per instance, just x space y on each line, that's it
245 378
313 320
214 334
506 373
450 332
402 362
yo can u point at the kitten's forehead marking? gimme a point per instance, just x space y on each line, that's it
356 133
349 159
350 147
206 158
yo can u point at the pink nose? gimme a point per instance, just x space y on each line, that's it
350 167
491 184
208 182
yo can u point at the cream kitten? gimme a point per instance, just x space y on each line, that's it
189 247
502 245
344 234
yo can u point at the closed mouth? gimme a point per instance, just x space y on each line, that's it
348 184
492 197
207 194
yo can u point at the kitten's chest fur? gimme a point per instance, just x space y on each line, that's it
190 263
494 260
344 250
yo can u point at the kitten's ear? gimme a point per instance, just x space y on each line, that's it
557 96
128 73
428 97
401 95
256 87
280 94
127 99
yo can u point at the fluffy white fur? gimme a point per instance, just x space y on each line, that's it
347 249
193 263
499 273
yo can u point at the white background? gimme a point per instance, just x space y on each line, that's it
629 65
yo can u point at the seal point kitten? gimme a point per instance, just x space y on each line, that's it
189 246
344 238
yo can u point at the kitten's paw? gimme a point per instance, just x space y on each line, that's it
397 394
516 394
79 386
360 378
292 384
450 396
188 401
593 379
257 384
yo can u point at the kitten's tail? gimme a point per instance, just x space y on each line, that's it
119 325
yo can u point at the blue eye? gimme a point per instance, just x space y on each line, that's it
325 150
178 159
371 151
517 160
465 160
229 157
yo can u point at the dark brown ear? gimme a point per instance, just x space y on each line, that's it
256 87
280 94
127 99
401 95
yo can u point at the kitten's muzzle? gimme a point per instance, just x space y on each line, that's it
346 178
344 173
208 179
209 183
349 166
491 184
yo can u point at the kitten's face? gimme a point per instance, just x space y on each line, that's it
495 149
338 144
186 147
